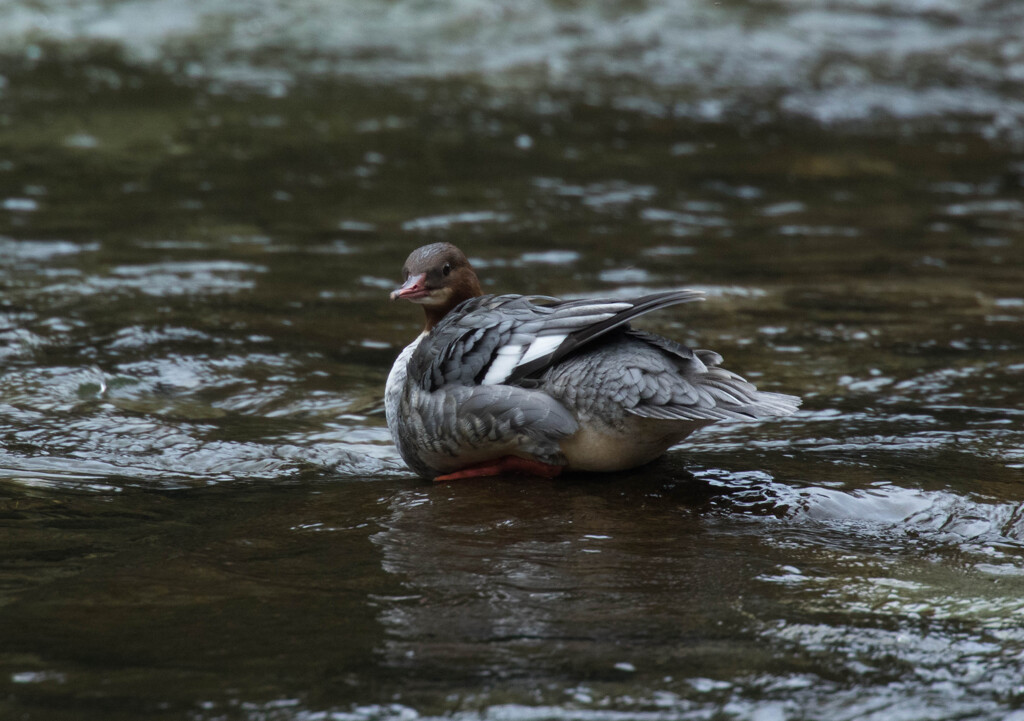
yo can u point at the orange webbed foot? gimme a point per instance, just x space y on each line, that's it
507 465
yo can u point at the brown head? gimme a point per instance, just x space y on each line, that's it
438 277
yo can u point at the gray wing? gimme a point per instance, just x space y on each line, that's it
501 340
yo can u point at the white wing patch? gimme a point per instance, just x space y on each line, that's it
510 357
541 347
503 365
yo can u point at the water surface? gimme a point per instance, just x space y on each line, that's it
204 518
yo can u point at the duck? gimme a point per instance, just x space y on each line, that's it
500 385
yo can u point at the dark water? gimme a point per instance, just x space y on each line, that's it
202 515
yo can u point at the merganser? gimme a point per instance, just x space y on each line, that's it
501 384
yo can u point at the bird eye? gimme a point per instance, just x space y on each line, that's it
447 268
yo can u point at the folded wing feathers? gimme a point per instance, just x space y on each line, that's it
592 320
502 339
479 341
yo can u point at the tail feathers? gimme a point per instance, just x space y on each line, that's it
775 404
592 331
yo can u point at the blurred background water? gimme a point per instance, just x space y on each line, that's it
203 205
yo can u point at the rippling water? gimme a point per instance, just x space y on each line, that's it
202 209
949 61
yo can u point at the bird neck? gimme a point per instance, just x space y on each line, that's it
468 286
